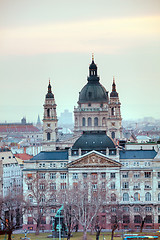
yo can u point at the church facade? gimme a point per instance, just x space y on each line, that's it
97 110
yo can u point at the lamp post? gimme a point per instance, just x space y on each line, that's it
59 227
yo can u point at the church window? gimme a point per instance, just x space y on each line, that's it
89 122
125 197
83 121
147 196
48 136
95 121
113 111
113 135
48 112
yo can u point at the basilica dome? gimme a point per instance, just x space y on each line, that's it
93 91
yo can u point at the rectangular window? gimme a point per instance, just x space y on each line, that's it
126 219
148 209
42 175
113 186
136 175
148 219
147 185
103 185
52 165
63 185
158 218
125 175
158 174
52 175
136 209
63 175
42 186
30 186
94 186
113 219
137 219
75 176
43 220
147 174
103 175
113 209
52 186
158 209
136 186
125 185
94 175
158 184
84 175
113 175
126 209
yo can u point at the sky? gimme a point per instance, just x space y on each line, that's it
42 40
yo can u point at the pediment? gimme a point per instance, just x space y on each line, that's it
93 159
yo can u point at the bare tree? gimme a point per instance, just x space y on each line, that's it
41 197
11 212
116 213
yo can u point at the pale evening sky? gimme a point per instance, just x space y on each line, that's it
55 39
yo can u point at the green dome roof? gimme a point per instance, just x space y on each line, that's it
93 140
93 91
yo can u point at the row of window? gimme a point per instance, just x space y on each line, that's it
52 165
137 164
125 219
137 175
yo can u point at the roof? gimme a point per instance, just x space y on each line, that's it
137 154
52 155
18 128
93 140
23 156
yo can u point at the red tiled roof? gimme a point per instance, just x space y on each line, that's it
23 156
18 128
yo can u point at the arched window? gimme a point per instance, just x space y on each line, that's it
125 197
136 196
147 196
113 135
112 111
83 121
96 121
48 136
30 198
113 197
158 196
48 112
76 121
89 122
103 121
42 198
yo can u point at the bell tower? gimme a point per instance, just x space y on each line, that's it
115 120
50 118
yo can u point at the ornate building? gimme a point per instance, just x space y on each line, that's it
96 110
49 120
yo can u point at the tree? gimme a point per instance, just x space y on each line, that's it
11 212
41 197
86 204
116 213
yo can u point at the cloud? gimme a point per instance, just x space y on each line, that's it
110 36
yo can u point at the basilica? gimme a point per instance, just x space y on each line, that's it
128 177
